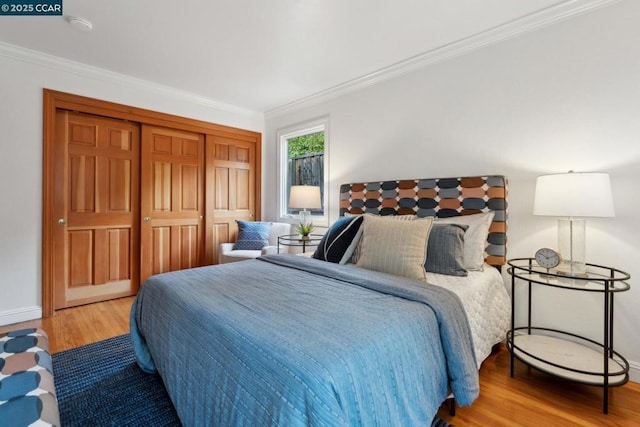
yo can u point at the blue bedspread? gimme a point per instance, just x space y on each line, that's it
291 341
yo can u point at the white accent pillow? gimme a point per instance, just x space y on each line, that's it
475 238
395 247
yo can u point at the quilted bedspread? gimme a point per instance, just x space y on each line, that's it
293 341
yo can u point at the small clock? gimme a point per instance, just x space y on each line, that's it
548 258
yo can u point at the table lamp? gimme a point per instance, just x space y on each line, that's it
304 197
573 196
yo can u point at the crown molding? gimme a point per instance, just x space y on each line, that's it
550 15
68 66
544 17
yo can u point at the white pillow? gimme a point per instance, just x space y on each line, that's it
475 238
395 247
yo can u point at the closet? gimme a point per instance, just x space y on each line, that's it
128 193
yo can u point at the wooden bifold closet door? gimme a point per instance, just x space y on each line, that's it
231 169
96 203
172 200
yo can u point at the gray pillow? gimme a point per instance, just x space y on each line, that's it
445 249
475 239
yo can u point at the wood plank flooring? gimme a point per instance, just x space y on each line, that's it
530 399
82 325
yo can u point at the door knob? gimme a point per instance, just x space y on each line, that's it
61 221
146 219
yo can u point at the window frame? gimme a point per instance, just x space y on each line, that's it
283 135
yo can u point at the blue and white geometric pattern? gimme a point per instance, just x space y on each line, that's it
252 235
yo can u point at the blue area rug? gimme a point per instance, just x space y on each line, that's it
100 384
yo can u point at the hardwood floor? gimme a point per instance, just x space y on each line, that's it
535 399
82 325
530 399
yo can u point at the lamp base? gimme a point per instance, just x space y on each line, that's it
571 243
304 216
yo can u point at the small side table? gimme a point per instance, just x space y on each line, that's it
312 240
562 353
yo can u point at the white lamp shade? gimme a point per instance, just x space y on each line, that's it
305 197
574 194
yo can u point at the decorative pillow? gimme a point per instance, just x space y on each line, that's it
475 239
446 249
339 242
252 235
395 247
356 252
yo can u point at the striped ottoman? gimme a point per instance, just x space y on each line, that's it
27 392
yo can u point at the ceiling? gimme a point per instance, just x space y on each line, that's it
262 55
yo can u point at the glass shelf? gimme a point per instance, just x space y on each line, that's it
297 240
598 279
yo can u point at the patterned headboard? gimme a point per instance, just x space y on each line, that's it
440 197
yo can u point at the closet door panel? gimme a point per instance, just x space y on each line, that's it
161 241
119 185
190 199
189 256
172 200
242 192
231 173
96 209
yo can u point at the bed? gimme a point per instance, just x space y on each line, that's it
338 339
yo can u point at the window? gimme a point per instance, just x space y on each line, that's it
302 153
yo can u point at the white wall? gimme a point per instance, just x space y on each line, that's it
563 97
23 75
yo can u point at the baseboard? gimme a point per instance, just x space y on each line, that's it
634 372
20 315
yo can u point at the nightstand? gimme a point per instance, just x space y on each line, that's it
296 240
562 353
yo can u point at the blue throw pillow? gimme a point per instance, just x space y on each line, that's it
252 235
339 242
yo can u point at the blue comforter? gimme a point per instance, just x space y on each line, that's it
292 341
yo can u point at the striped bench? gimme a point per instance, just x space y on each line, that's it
27 391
